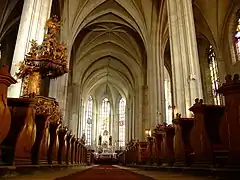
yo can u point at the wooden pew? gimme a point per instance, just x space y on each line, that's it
182 146
230 126
5 117
16 147
205 136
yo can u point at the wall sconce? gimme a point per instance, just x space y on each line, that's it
148 132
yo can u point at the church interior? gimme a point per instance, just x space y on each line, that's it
120 86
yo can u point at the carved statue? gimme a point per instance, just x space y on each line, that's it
100 140
110 140
83 139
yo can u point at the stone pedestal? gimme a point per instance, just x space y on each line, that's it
230 127
16 147
205 137
62 144
5 118
167 145
182 147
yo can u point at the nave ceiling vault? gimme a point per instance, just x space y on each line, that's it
109 45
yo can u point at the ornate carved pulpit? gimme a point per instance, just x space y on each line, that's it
47 60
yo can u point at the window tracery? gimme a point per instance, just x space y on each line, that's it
212 62
105 112
89 120
122 117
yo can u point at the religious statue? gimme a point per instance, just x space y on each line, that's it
100 140
83 139
110 140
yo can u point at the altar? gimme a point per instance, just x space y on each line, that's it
105 150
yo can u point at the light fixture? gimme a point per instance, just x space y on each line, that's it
148 132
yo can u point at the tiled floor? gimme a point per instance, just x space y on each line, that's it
51 175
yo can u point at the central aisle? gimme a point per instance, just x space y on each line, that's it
105 172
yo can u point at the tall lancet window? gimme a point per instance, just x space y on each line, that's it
89 120
212 62
105 112
168 96
237 36
122 117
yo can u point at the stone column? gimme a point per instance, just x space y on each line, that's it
32 23
146 121
187 83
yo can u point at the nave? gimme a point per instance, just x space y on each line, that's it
107 172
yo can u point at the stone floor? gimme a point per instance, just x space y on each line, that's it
165 175
53 174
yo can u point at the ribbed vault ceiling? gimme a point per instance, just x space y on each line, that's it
108 49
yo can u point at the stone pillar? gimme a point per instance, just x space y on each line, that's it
146 122
32 23
187 83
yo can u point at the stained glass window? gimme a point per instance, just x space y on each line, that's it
105 112
214 75
89 120
237 36
122 116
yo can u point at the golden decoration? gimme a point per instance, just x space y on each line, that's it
48 59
